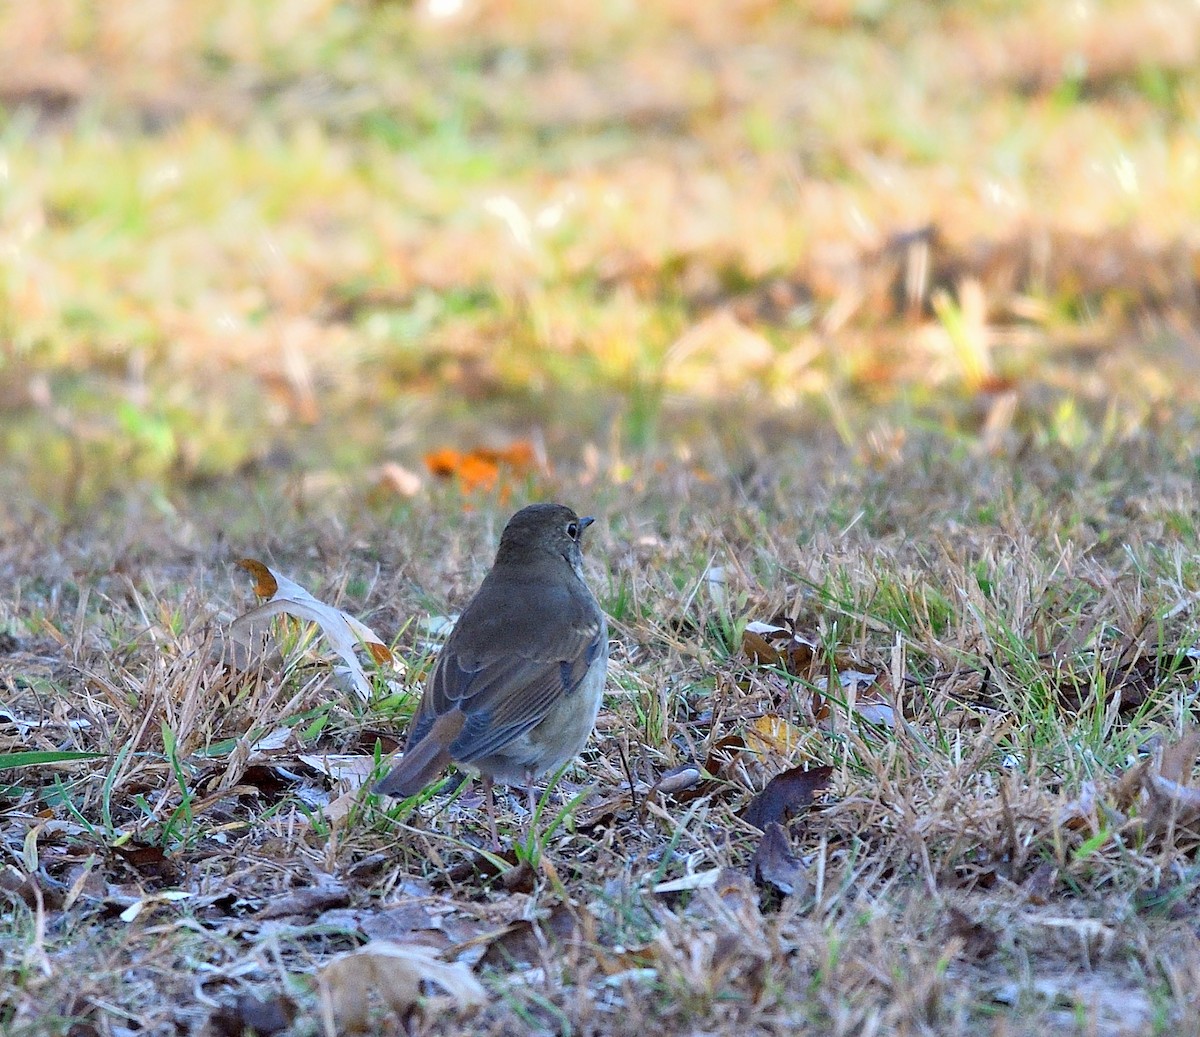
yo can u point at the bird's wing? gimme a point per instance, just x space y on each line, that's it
505 681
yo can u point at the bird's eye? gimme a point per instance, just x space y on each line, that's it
573 530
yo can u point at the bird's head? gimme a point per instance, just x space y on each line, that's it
540 531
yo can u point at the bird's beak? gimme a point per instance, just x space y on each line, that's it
585 522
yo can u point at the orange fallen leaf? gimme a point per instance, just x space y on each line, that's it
484 468
478 473
520 456
443 463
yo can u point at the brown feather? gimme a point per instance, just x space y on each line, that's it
423 762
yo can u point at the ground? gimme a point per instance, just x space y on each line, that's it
867 331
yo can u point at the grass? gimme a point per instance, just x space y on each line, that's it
1010 717
869 321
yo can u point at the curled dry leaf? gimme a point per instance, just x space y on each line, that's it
1157 797
396 480
774 865
1172 800
393 972
677 779
786 795
1081 813
769 644
351 768
723 753
526 941
692 880
342 630
864 695
1179 758
306 903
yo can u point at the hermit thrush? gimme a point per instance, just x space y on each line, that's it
516 688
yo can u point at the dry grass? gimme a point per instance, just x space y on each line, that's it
998 859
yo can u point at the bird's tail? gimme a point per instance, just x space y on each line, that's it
423 762
421 765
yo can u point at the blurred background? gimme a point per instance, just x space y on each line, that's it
384 243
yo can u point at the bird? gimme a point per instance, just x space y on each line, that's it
516 688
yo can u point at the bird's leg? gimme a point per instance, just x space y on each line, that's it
532 841
488 784
531 797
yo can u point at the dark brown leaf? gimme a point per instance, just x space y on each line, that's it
979 941
773 863
250 1015
759 649
525 942
148 861
307 903
24 887
723 752
786 795
1041 883
481 867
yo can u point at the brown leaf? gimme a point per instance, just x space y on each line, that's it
774 865
308 902
1174 803
265 584
786 795
26 887
393 972
759 649
484 867
1179 758
527 942
769 644
1041 883
410 922
723 752
150 861
250 1015
979 941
